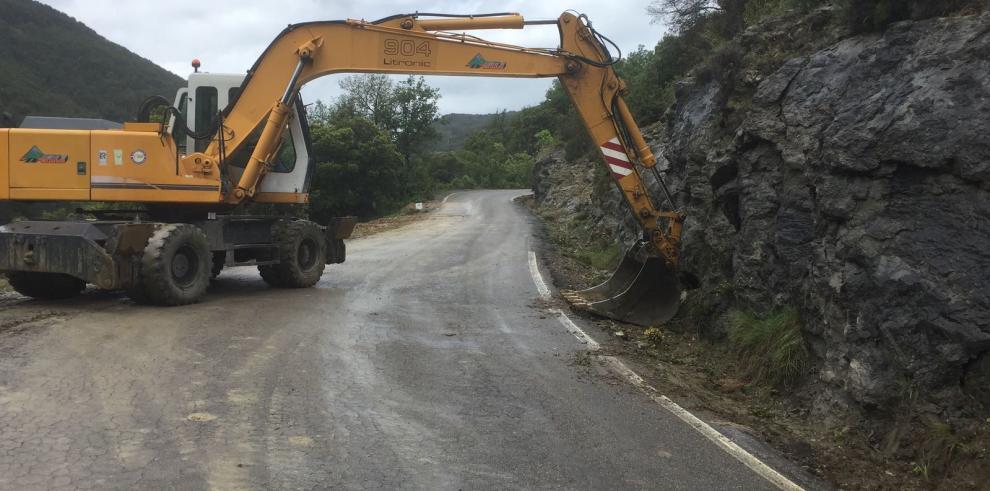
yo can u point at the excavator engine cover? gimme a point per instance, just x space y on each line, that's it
644 290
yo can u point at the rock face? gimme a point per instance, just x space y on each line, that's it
857 189
583 188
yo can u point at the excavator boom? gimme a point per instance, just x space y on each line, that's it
254 123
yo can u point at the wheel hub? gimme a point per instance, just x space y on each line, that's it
184 266
307 254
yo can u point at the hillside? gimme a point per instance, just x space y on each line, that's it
53 65
454 129
836 189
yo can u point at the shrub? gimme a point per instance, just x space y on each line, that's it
770 349
875 15
463 182
653 336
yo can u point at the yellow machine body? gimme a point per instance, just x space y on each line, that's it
134 164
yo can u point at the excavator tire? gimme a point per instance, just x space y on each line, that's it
271 275
302 255
219 257
45 285
175 267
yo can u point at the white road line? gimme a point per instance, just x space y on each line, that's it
534 271
720 440
445 198
573 328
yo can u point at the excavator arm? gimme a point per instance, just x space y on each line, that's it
425 44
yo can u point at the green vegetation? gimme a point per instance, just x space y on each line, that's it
53 65
454 129
577 240
359 168
703 41
770 349
372 148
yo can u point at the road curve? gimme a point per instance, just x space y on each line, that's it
426 361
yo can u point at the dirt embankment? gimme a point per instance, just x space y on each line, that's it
844 190
409 214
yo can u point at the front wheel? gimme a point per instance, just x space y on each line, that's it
175 267
302 255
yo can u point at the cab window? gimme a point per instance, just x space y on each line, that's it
285 160
179 126
206 110
232 94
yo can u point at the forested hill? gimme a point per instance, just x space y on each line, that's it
53 65
454 129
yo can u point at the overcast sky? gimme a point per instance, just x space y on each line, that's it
229 35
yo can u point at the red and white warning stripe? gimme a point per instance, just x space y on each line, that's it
617 159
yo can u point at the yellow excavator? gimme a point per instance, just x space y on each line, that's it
230 140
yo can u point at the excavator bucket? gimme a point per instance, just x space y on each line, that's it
644 290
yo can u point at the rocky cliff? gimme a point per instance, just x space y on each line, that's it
851 183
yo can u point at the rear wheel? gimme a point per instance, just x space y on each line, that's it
271 275
302 255
175 267
45 285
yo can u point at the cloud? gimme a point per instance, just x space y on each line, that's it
229 35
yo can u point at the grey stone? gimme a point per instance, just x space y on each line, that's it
856 189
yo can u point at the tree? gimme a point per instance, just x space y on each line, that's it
415 110
641 71
371 96
366 146
359 170
682 14
406 110
687 15
319 113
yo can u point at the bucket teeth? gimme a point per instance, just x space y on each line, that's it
574 298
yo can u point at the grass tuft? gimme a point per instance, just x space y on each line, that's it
770 349
604 258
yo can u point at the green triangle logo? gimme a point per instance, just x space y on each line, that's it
476 62
33 155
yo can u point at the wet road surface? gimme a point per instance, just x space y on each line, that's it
426 361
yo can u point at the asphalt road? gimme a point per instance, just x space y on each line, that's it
425 361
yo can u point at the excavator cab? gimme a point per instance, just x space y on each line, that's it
206 95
